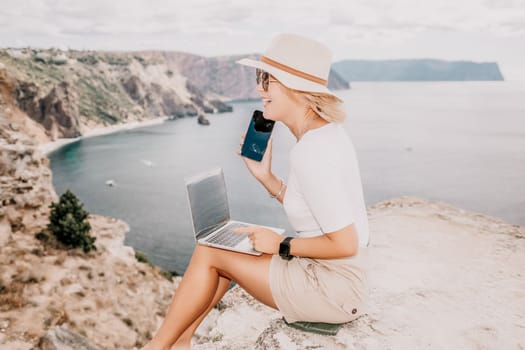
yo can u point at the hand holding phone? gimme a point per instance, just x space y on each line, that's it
257 136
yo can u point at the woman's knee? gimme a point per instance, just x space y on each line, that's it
215 253
227 261
212 257
202 251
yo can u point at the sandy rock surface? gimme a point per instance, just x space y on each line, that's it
441 278
106 296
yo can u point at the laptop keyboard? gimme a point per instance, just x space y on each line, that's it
226 237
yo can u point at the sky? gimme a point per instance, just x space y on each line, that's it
474 30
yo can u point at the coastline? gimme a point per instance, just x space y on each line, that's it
52 146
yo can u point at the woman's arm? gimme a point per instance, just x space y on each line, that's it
273 186
338 244
334 245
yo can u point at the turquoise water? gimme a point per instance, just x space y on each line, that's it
458 142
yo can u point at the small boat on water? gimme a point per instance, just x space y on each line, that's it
110 183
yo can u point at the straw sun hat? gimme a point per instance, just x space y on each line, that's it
297 62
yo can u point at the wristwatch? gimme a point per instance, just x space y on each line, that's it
284 249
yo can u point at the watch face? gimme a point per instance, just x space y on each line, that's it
284 249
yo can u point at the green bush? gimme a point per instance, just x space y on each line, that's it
143 258
167 275
68 222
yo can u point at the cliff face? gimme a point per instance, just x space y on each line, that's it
25 182
57 112
69 93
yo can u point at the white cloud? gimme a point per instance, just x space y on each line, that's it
371 17
211 27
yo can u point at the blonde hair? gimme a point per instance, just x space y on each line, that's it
328 107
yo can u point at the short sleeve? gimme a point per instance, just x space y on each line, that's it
326 188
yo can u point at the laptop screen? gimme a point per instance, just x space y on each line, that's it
208 201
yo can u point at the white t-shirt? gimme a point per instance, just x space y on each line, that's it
325 192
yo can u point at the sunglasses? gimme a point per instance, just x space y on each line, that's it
263 77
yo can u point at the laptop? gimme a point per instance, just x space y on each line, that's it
210 214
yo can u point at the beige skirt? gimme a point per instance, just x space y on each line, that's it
319 290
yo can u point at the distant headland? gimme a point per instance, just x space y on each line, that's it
417 70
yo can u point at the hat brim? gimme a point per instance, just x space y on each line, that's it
287 79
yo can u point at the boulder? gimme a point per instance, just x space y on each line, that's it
203 120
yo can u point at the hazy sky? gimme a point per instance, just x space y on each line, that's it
477 30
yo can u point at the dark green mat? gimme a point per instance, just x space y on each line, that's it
316 327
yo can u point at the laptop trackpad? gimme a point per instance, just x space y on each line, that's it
247 246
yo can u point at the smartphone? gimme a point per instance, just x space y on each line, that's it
257 136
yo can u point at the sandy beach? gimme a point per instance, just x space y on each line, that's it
49 147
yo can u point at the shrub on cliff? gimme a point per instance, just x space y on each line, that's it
68 222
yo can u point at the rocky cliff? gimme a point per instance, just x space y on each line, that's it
66 94
25 182
106 296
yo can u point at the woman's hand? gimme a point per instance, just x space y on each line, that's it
263 240
260 170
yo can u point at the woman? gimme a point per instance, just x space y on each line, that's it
319 275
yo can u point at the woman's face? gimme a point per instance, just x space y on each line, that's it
277 101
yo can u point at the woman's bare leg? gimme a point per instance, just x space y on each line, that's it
184 341
200 284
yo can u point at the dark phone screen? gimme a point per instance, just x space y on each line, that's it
257 136
261 124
